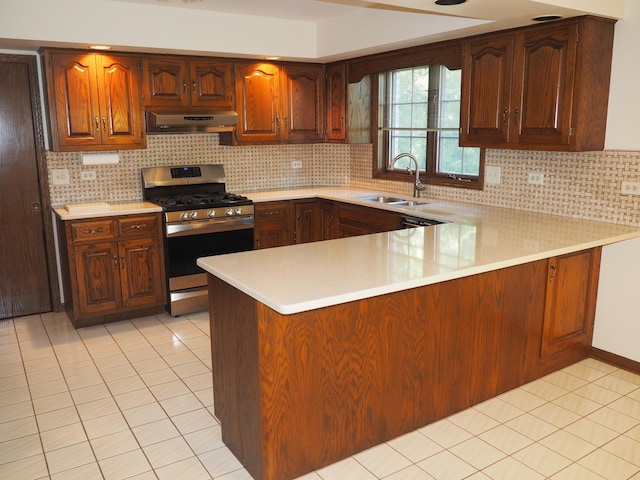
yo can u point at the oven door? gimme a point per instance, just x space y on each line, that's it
186 280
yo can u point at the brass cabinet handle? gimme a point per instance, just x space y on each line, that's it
138 226
115 261
505 119
97 124
184 86
193 86
516 117
104 123
554 270
272 212
91 231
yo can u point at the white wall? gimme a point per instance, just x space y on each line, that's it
617 327
624 97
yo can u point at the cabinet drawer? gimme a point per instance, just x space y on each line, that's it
138 226
272 212
92 230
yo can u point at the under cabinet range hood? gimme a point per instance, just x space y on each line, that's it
189 122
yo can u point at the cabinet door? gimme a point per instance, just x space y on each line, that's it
258 103
142 279
120 100
545 62
304 103
73 100
328 224
273 224
336 102
572 284
98 278
307 224
211 84
166 82
486 90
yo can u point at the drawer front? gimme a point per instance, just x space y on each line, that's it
138 226
92 230
272 212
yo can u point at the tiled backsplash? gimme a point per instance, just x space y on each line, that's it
581 185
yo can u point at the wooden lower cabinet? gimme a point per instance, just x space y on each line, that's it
297 392
355 220
113 268
273 224
307 221
572 286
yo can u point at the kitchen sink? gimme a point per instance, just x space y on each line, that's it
392 200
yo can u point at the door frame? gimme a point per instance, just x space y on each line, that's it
43 177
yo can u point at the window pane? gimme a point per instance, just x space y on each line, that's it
413 100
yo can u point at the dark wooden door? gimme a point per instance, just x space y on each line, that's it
304 101
142 278
336 98
486 91
543 93
24 281
211 84
73 100
307 222
166 81
119 85
98 274
258 103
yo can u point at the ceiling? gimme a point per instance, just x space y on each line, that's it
501 11
322 30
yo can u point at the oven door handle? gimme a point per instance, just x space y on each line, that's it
199 227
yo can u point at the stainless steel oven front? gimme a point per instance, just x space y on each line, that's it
186 241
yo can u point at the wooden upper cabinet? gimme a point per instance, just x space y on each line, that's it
336 102
303 103
486 86
544 87
258 103
182 81
277 103
94 101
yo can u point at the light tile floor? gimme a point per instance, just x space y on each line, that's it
133 399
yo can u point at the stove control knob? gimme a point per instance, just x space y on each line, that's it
228 212
193 215
211 213
184 216
238 211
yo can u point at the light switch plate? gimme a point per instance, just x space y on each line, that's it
492 174
60 176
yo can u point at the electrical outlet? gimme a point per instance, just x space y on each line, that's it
60 176
492 174
88 175
630 188
536 178
296 164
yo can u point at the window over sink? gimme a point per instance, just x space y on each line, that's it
418 112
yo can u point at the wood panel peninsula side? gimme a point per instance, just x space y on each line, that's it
325 349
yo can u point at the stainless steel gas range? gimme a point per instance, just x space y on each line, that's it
200 219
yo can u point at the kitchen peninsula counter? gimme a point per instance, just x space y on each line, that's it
478 239
322 350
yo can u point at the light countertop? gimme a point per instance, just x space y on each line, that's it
76 211
479 238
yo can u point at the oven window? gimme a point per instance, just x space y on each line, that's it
182 252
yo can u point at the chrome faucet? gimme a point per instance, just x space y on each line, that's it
418 185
